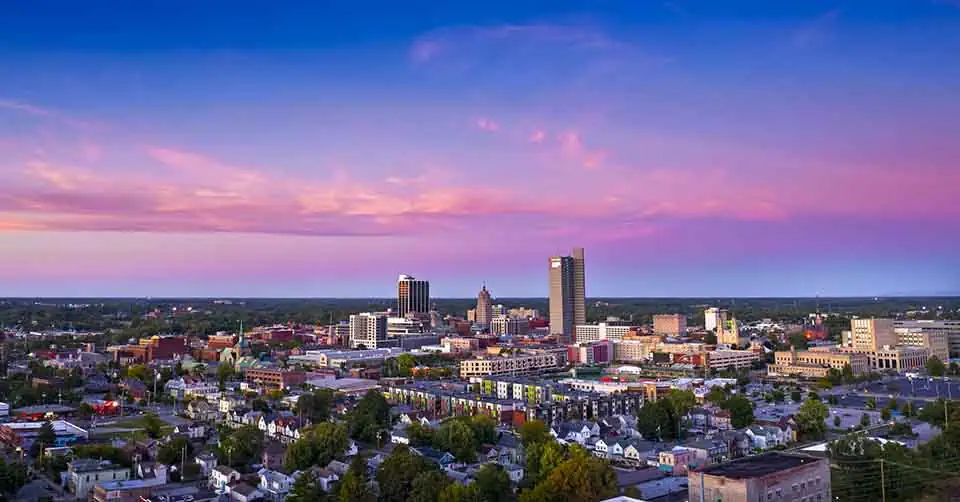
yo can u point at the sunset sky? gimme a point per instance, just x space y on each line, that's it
694 148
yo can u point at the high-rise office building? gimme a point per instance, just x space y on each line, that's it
484 312
870 335
568 306
714 319
413 296
670 324
368 330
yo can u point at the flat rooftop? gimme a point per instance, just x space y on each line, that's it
759 466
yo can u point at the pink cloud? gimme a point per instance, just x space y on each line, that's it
537 136
488 125
90 151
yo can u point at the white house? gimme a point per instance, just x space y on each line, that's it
207 462
275 485
221 476
765 437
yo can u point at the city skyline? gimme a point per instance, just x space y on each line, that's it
696 149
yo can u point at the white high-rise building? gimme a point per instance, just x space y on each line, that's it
602 331
714 318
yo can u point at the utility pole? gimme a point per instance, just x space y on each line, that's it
883 482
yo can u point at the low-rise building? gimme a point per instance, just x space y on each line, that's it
772 476
502 325
723 359
274 378
817 363
84 474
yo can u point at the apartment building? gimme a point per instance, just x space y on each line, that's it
368 330
277 379
519 364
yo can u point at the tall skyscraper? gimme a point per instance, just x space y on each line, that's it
413 296
568 306
484 312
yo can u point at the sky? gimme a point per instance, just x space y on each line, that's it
322 148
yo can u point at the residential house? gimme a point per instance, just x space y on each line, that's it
274 485
201 411
222 476
84 474
283 428
399 435
510 448
699 418
240 491
337 467
709 451
765 437
722 420
514 472
192 431
190 386
327 478
207 462
272 455
134 387
738 443
676 461
575 431
637 452
441 458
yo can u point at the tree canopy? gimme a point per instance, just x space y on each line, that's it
318 445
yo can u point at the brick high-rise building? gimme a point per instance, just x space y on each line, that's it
670 324
568 306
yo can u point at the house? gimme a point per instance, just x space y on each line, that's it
337 467
151 470
738 443
222 476
284 428
637 452
676 461
699 418
326 478
207 462
514 472
488 453
709 451
190 386
134 387
399 436
191 431
274 485
84 474
142 450
765 437
722 420
510 449
272 455
240 491
443 459
201 411
575 431
351 450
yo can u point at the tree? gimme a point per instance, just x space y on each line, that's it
582 477
710 338
833 400
395 476
306 489
716 395
484 429
353 487
224 373
836 421
865 420
534 431
796 396
741 411
316 406
935 367
457 438
493 484
427 486
85 411
810 419
456 492
242 447
175 450
541 460
779 396
319 445
847 373
370 416
907 409
46 437
813 395
152 425
12 477
260 404
871 403
885 414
